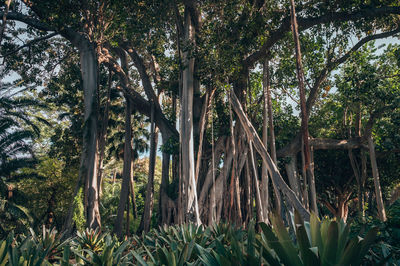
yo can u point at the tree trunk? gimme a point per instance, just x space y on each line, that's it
126 172
103 136
375 173
275 175
268 106
145 222
89 70
291 170
187 145
132 190
304 118
234 183
259 206
163 200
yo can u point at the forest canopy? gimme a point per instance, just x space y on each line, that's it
124 116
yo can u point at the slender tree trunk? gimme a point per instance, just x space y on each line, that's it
145 222
275 175
264 170
304 118
132 190
103 135
363 179
268 103
218 189
127 233
163 200
357 175
291 170
203 124
126 172
234 184
259 205
375 173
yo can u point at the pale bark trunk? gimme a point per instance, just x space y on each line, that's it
217 191
304 119
145 222
276 176
268 105
126 172
209 180
363 179
264 169
89 70
187 145
375 173
259 205
203 124
88 169
234 185
291 170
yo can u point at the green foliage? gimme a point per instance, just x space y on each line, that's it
317 242
79 215
386 249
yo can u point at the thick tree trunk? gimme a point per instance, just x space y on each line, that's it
126 172
375 173
304 117
88 170
275 175
145 222
187 144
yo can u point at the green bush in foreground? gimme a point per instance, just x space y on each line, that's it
316 242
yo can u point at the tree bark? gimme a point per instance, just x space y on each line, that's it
275 175
259 206
291 170
375 173
145 222
163 200
187 145
103 135
88 169
126 172
132 190
270 120
304 117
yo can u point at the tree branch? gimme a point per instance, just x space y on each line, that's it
29 43
306 23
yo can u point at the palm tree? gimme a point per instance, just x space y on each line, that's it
17 132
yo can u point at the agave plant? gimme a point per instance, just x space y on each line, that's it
232 247
49 242
318 243
90 239
112 252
